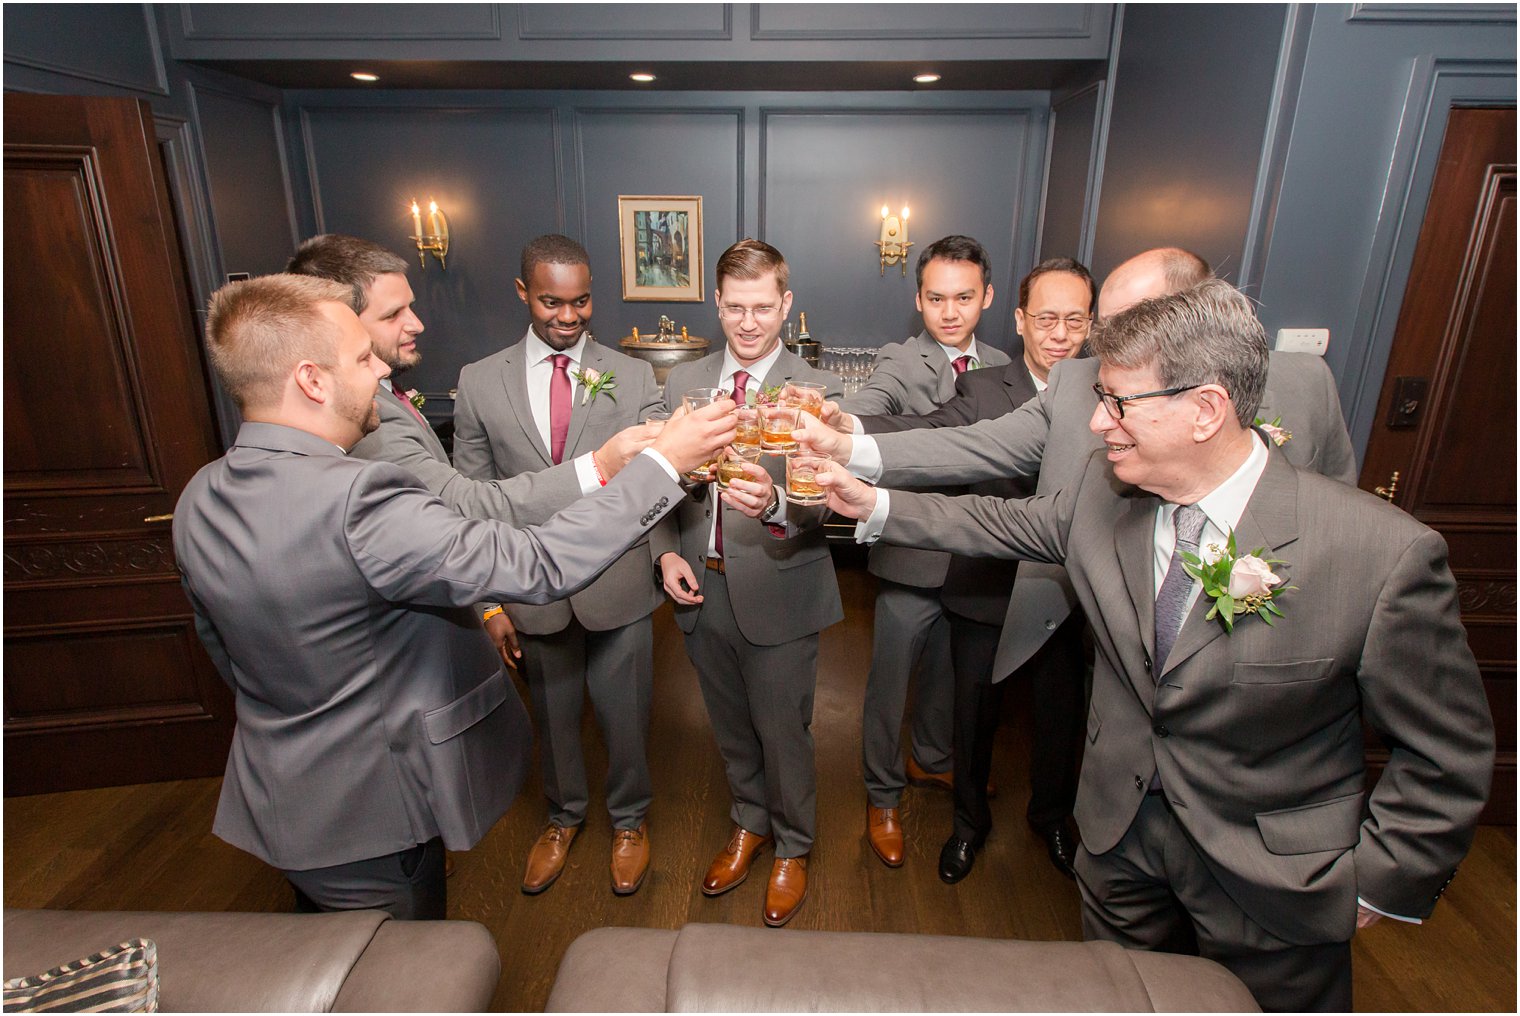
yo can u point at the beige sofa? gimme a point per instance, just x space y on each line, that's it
358 961
721 968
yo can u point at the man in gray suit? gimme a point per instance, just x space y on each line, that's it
380 294
751 599
375 725
1049 436
1222 794
553 396
915 376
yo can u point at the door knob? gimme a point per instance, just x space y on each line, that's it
1387 493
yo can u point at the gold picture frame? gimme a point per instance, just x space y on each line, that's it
660 239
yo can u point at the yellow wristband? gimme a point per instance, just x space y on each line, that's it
492 612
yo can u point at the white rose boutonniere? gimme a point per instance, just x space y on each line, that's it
1237 583
594 382
1275 430
416 398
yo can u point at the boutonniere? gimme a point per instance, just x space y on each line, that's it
1238 583
764 396
1275 431
415 397
594 381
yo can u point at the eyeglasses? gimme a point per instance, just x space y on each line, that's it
732 312
1077 324
1115 403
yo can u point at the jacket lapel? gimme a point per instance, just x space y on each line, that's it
1269 522
1134 536
1017 385
594 357
514 378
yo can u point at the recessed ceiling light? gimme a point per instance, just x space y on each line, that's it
926 79
643 77
364 76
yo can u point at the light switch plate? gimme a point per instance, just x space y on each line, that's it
1303 340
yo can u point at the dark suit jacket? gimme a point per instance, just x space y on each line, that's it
975 587
1257 735
781 589
333 595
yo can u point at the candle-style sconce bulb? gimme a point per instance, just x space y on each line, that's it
435 240
893 240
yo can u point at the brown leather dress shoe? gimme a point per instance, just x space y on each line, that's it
921 777
547 858
731 866
885 834
630 859
787 890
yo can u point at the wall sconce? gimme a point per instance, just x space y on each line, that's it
436 240
894 242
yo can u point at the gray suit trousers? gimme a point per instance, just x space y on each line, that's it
760 702
1154 891
616 667
910 628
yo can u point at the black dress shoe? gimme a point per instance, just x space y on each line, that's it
1062 848
955 859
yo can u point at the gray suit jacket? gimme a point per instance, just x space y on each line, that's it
495 436
332 593
1257 735
913 376
781 589
1050 436
523 500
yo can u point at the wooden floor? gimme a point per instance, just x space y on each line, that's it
150 848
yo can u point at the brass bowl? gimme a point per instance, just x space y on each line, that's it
662 356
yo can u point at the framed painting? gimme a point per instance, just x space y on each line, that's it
661 242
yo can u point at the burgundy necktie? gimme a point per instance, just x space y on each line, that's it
409 404
559 407
961 364
741 381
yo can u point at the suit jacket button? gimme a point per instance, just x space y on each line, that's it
1160 730
1050 625
1147 664
1140 783
663 502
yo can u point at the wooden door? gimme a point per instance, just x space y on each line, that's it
1447 409
107 416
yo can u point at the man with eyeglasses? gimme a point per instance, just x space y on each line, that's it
954 276
752 598
1223 801
1049 437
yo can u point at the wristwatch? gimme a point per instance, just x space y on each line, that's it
775 506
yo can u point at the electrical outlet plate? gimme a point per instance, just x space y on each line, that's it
1303 340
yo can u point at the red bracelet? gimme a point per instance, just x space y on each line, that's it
600 478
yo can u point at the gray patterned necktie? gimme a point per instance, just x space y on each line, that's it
1171 599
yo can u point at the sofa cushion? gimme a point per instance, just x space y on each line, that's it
614 970
123 978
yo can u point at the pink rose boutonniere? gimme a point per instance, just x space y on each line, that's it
595 381
1275 430
415 397
1237 583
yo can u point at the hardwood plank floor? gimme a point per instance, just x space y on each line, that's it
150 848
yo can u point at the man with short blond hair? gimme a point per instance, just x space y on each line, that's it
375 725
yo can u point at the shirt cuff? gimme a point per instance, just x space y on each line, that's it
585 474
855 425
1396 917
865 458
670 470
868 529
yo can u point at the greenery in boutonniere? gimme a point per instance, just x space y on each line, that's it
1275 431
595 381
765 396
416 397
1237 583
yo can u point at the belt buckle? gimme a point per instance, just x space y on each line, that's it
716 564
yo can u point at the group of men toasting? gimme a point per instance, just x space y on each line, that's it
342 569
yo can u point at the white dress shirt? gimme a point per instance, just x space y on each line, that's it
540 357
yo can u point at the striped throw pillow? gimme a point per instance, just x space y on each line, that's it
121 979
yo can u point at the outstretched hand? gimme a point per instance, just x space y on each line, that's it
695 438
816 437
848 495
837 419
619 449
753 493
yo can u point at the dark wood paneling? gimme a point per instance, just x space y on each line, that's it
624 21
826 175
224 22
65 324
107 417
114 44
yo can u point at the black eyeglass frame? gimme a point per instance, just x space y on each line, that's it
1112 402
